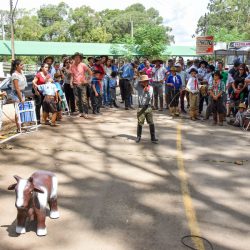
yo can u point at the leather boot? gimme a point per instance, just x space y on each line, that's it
221 118
177 113
215 118
191 113
139 131
171 109
156 102
152 133
115 105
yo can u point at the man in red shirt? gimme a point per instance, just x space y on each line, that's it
79 83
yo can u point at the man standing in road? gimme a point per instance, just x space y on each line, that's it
127 75
183 75
158 77
79 83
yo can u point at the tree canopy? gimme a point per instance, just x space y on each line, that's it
83 24
226 20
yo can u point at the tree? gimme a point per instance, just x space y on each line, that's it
226 20
152 40
28 28
83 21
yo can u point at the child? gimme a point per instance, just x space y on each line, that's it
193 89
61 105
51 96
216 92
58 71
237 97
96 94
239 118
113 85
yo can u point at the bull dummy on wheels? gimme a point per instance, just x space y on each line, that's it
32 196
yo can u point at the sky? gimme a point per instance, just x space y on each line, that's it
181 15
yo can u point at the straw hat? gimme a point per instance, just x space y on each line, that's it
242 105
144 78
173 69
157 60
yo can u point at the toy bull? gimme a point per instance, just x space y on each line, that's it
32 196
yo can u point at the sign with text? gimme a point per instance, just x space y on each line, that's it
204 45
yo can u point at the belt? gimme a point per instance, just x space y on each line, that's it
50 96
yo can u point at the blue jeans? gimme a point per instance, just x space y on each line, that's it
106 91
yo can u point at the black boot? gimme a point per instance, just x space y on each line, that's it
139 130
152 133
115 105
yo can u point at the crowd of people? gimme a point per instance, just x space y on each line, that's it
83 88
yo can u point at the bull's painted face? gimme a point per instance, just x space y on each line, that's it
24 190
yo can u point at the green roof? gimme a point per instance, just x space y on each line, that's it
36 48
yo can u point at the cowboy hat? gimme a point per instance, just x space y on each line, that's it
157 60
96 59
203 62
78 54
48 57
242 105
144 78
173 69
193 70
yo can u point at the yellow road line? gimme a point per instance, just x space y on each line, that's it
187 200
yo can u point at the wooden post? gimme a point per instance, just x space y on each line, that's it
12 31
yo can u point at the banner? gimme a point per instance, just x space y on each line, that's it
204 45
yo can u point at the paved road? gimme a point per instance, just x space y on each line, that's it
117 195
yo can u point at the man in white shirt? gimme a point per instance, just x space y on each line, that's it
193 88
158 77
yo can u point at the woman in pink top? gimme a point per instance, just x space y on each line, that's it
41 78
79 83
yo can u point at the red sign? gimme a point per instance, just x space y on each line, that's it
204 45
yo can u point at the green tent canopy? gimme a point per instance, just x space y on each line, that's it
36 48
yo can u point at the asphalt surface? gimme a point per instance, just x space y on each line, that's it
115 194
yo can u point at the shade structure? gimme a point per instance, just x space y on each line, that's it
38 48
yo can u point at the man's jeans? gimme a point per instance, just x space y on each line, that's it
106 91
80 93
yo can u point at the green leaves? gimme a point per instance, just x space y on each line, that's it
227 20
140 29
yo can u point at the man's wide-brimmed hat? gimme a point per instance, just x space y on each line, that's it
48 57
242 105
144 78
157 60
203 62
173 69
78 54
97 58
193 70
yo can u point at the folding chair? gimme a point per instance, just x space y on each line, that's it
65 106
246 124
26 115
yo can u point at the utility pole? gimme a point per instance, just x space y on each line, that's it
132 28
12 31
